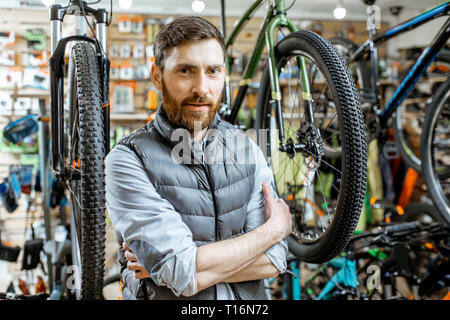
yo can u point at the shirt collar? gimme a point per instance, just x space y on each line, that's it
166 129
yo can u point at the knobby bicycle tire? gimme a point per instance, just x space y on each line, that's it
440 103
354 147
360 72
87 194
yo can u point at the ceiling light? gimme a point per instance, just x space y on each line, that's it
339 12
48 3
198 6
125 4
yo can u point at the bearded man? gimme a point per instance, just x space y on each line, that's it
201 221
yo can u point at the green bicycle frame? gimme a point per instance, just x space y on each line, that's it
275 17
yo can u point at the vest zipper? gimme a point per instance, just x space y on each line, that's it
211 186
216 231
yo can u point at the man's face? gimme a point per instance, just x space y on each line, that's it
192 83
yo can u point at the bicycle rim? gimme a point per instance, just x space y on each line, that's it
437 153
75 238
71 152
303 180
314 181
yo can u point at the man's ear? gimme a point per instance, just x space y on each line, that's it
157 77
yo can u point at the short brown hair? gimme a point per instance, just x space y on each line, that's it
183 30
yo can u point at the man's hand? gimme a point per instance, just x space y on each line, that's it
133 264
223 261
277 213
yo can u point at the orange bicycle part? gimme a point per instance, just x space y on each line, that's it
77 165
290 197
373 200
400 210
40 285
316 209
408 187
23 287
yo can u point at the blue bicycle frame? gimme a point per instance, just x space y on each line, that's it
426 58
346 275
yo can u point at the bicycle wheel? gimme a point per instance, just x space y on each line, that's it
408 119
85 155
435 150
324 181
407 122
358 69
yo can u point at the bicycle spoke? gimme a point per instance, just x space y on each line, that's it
324 197
327 163
331 120
336 134
322 93
74 141
309 199
75 197
290 170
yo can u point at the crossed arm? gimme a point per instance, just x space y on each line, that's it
238 259
259 268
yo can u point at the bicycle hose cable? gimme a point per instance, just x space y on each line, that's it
408 241
90 27
291 5
110 11
288 8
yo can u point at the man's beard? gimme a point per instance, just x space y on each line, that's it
181 116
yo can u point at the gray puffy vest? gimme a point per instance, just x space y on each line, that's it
211 196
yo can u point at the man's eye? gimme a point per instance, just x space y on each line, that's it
186 71
215 71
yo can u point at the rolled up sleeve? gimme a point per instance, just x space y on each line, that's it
149 224
255 209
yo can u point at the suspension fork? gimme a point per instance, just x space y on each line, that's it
275 101
104 64
56 62
56 96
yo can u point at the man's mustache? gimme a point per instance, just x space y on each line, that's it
199 100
